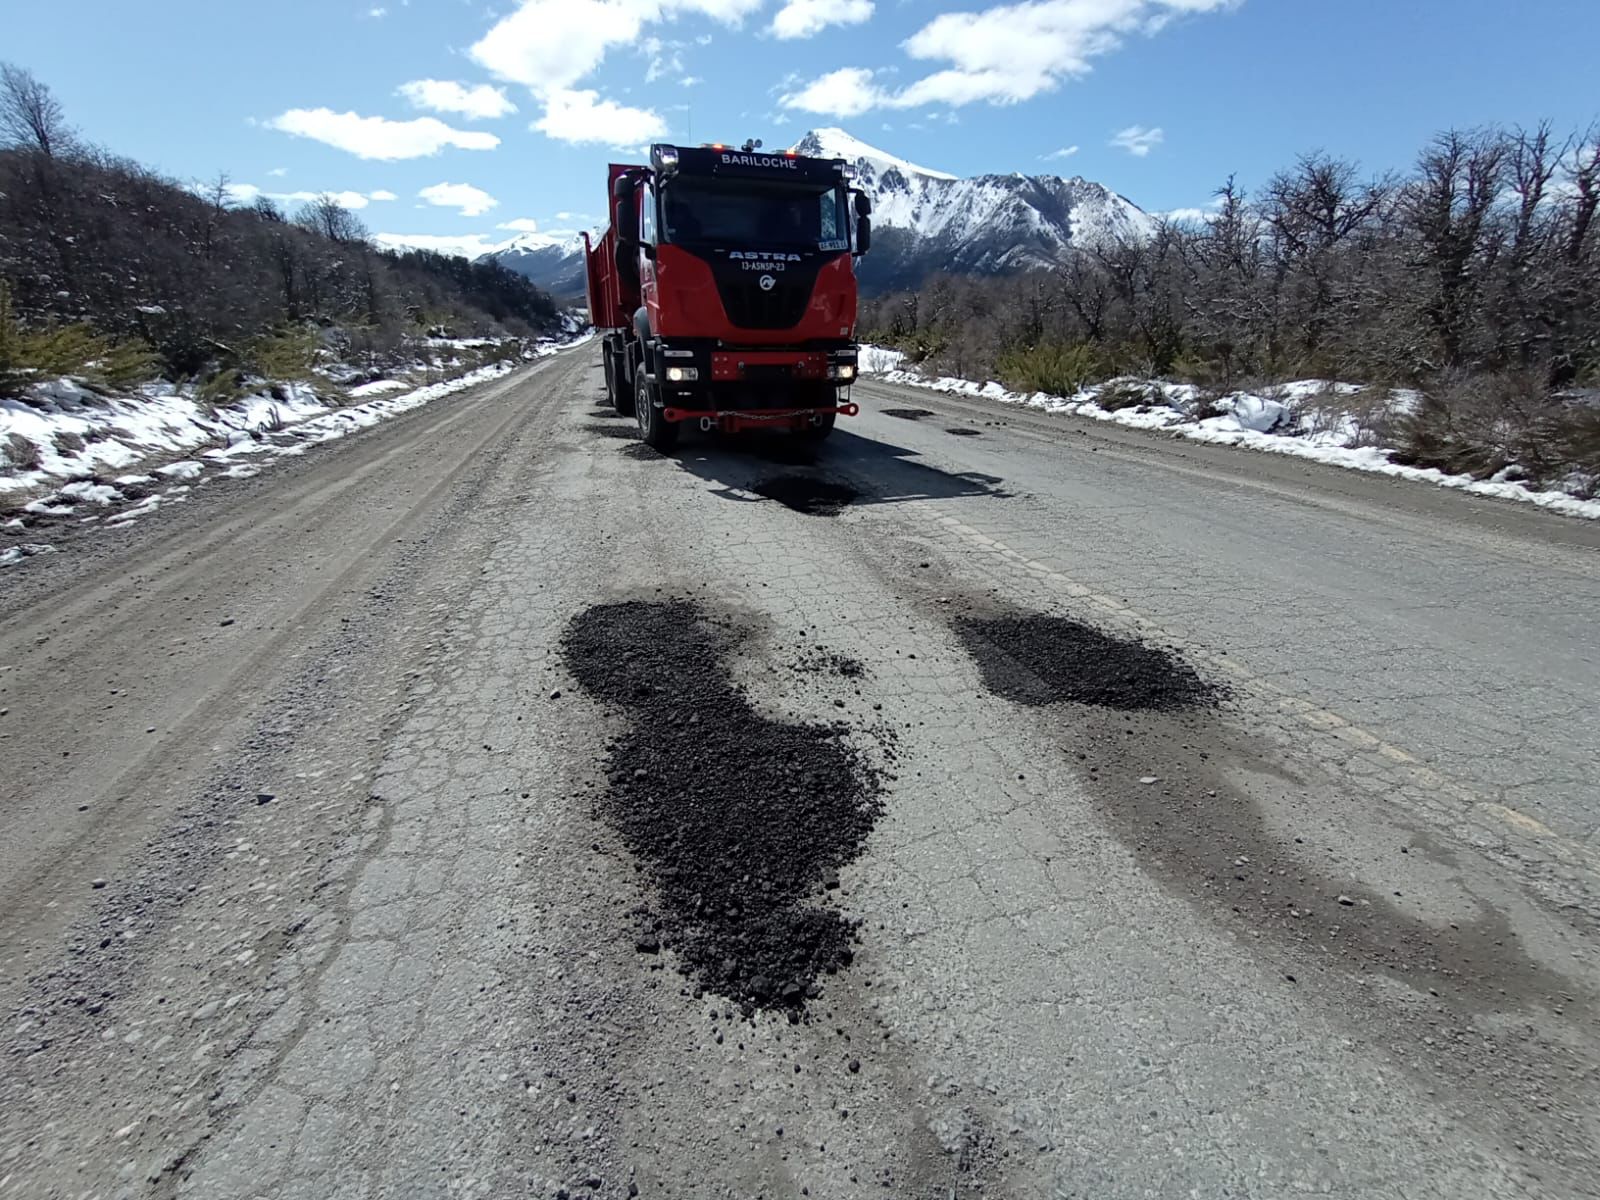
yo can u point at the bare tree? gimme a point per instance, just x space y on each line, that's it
1447 209
325 215
31 116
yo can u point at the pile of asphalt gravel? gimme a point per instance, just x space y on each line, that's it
740 821
821 661
805 494
909 414
1042 660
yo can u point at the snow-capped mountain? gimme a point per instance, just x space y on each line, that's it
553 261
926 221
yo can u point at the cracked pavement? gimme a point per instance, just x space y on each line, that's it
317 903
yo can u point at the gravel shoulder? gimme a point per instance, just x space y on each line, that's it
1073 815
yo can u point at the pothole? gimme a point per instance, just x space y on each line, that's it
814 497
740 822
908 414
1043 660
964 432
614 431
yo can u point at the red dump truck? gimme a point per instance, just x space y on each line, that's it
725 290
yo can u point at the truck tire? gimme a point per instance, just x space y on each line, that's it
617 385
656 432
820 429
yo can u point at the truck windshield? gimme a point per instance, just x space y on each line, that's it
695 211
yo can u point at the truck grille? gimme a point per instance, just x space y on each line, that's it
749 307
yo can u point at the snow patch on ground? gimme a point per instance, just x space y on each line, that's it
875 360
65 431
1271 422
15 554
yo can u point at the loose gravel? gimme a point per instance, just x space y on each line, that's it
1037 660
740 822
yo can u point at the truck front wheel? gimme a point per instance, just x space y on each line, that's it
657 432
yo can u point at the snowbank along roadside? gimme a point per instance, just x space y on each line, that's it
66 431
1273 421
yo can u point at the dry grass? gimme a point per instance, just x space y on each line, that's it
1127 393
1371 410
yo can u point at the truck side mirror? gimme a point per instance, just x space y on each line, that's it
863 204
627 213
863 235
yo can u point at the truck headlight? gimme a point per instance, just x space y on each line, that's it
682 374
844 372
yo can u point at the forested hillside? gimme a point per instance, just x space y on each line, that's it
1474 276
106 266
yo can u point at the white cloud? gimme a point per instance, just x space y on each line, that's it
847 92
1011 52
278 172
1137 140
350 200
520 225
1189 215
248 193
468 245
446 96
806 18
583 117
666 58
378 137
1054 155
377 14
472 201
551 46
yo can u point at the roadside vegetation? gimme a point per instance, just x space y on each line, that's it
114 275
1473 279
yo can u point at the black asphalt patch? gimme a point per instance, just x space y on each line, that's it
741 822
814 497
1044 660
964 432
615 431
909 414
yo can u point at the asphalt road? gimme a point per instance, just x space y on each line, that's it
989 804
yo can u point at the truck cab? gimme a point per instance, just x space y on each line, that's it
726 290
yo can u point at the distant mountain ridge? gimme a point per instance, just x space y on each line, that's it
925 221
552 261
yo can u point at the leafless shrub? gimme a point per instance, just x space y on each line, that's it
1126 393
1481 425
1370 412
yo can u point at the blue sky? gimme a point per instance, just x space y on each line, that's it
458 121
